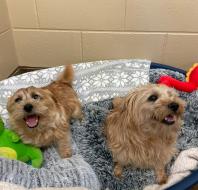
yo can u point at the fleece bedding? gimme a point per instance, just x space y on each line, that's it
94 149
91 165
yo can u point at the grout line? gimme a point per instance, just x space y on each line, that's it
15 47
125 11
4 32
37 14
75 30
12 35
82 52
164 47
105 31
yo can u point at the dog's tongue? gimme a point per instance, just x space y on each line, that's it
169 118
31 121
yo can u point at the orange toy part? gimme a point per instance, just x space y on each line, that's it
192 75
190 85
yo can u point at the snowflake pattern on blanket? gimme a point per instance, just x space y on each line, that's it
93 81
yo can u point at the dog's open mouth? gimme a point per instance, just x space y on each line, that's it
32 121
169 119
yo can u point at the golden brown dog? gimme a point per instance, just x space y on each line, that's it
142 128
41 115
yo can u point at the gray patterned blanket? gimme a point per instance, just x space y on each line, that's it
91 165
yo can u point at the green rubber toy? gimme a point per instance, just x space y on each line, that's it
12 147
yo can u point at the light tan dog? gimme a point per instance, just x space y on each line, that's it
41 115
142 129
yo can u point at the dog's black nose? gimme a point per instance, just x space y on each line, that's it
28 107
173 106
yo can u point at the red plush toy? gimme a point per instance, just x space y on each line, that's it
190 85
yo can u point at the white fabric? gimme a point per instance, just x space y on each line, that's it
186 162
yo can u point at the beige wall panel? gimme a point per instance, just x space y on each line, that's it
162 15
83 14
181 50
4 18
8 60
98 46
23 13
47 48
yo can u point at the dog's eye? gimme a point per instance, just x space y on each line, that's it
35 96
152 98
17 100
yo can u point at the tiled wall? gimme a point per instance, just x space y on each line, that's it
55 32
8 60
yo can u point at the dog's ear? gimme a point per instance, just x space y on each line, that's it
129 102
125 103
182 107
118 103
49 93
8 104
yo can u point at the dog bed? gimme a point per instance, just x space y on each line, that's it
91 164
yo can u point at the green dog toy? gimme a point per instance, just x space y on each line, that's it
12 147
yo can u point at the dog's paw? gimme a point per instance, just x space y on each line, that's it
81 117
66 153
162 179
118 170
